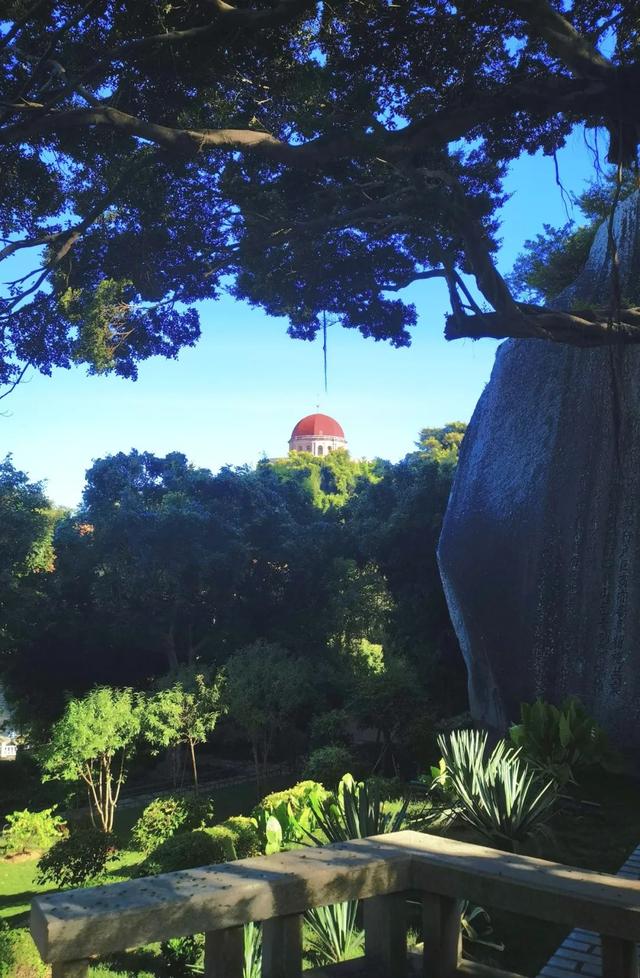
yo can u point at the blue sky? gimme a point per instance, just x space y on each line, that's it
239 392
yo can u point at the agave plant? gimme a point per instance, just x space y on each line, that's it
252 967
476 927
501 795
355 813
332 933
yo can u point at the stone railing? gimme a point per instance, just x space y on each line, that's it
73 927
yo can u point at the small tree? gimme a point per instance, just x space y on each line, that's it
91 742
266 685
386 696
185 712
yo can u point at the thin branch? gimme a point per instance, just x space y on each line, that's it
14 383
19 24
563 40
70 239
14 246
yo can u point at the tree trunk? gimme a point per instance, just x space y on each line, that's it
194 767
256 763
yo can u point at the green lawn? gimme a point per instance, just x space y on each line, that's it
17 879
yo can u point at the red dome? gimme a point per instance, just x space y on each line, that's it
319 426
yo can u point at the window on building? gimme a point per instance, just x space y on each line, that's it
320 450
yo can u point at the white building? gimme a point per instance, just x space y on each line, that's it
8 749
318 434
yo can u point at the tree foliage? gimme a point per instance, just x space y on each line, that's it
553 260
307 158
329 480
442 445
27 523
395 526
26 519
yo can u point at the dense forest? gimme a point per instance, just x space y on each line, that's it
166 567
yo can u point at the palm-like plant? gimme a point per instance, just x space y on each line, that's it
333 934
501 796
356 812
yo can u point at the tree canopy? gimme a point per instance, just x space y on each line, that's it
307 157
168 567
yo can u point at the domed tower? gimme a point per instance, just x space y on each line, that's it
318 434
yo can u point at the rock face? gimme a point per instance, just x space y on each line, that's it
540 547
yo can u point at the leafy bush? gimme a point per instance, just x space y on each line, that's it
30 831
330 728
358 811
181 956
163 817
559 741
285 817
19 956
296 797
328 764
247 841
333 935
78 860
201 847
501 796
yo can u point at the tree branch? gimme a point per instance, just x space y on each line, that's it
583 328
413 277
563 40
187 142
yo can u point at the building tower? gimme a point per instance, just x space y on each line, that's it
318 434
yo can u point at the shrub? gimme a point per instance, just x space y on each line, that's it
500 795
285 817
247 841
77 860
559 741
295 797
19 956
330 728
201 847
163 817
30 831
328 764
181 956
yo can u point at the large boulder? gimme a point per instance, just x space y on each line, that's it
540 547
